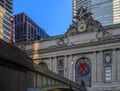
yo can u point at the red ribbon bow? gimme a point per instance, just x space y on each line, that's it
83 68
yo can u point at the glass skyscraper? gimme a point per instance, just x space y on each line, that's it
6 10
105 11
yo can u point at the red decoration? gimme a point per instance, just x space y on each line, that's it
83 68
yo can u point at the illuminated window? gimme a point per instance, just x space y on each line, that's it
1 36
1 30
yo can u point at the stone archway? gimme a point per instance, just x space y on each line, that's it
83 72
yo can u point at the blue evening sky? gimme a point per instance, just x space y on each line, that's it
54 16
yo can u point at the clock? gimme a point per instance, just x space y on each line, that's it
81 27
107 58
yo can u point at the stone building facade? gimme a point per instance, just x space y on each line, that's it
87 54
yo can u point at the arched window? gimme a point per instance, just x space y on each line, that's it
83 72
44 65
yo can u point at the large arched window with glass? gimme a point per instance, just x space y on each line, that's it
83 72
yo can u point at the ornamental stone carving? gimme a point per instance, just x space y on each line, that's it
84 22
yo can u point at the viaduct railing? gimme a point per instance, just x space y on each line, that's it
17 73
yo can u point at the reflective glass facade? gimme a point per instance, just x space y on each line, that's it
105 11
83 3
102 11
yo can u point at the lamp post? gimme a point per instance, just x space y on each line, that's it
11 29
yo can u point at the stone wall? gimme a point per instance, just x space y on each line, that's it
14 69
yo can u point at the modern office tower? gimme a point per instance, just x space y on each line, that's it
105 11
7 5
26 30
116 11
2 12
6 11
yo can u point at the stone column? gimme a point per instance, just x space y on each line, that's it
114 66
50 64
55 64
118 65
94 68
100 66
66 66
73 67
70 69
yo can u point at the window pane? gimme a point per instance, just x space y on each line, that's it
108 73
108 78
